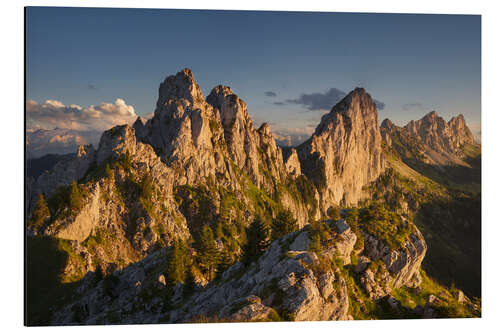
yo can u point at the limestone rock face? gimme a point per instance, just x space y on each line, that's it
188 141
345 152
104 212
252 150
292 162
184 131
399 267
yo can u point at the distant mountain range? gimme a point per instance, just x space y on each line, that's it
40 142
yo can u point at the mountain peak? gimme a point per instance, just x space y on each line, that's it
431 115
359 97
357 104
180 86
441 136
387 124
218 94
265 129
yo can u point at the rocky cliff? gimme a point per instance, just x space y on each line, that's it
346 138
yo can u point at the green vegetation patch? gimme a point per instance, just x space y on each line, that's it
447 305
385 225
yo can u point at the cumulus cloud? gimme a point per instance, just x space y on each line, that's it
55 114
270 94
323 101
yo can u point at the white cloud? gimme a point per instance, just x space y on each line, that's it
52 114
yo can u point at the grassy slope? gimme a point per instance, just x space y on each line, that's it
449 218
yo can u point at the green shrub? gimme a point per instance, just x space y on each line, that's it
384 225
333 212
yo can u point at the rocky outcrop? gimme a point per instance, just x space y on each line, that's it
391 268
284 280
346 138
292 162
288 282
280 283
431 139
183 131
253 150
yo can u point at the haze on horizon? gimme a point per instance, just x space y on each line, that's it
88 69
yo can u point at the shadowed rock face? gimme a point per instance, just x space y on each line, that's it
345 150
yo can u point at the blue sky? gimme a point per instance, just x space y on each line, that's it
411 63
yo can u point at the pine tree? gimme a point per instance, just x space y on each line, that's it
225 261
40 213
258 240
177 263
75 197
208 255
283 224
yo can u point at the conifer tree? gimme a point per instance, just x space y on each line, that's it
177 264
75 197
40 213
225 261
283 224
208 256
258 240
